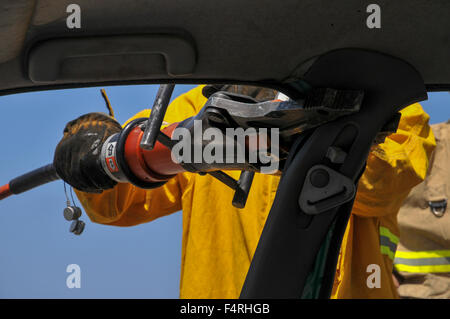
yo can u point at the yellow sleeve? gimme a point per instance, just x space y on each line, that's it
127 205
396 166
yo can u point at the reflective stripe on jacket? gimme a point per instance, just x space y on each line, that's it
388 242
219 240
433 261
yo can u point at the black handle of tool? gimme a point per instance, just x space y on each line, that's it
35 178
156 116
243 188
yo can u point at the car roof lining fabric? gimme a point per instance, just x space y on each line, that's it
235 41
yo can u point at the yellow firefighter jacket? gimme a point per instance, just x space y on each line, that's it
219 240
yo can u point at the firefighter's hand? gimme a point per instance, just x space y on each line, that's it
77 159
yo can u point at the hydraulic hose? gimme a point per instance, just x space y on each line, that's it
30 180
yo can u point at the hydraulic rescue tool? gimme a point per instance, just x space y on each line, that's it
141 153
342 102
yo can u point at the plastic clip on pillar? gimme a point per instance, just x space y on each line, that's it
286 263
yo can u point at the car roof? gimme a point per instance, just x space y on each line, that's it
261 42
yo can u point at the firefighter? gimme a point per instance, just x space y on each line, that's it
422 260
219 240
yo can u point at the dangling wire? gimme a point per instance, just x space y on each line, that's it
71 195
67 196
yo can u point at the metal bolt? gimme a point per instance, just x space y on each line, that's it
319 178
216 117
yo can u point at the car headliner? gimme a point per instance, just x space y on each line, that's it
202 41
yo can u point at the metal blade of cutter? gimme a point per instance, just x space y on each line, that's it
291 117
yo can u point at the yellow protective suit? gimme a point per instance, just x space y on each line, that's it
219 240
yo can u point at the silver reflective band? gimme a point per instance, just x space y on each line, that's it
431 261
109 160
423 261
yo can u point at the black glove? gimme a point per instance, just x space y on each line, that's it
77 159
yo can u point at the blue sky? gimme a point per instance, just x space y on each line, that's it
35 244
